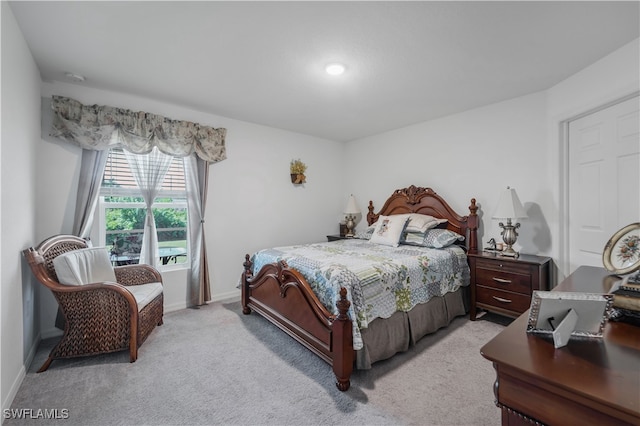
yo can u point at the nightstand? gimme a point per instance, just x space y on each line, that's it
504 285
337 237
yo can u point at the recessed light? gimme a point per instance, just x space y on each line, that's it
75 77
335 69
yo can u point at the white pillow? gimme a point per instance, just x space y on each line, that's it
84 266
400 216
388 230
421 222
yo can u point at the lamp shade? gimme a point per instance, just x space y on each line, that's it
509 206
352 206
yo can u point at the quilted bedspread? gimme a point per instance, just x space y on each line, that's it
379 279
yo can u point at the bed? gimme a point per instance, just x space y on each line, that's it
339 322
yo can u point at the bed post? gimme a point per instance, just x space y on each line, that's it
246 275
342 331
473 227
371 216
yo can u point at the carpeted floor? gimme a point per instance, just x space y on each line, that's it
213 365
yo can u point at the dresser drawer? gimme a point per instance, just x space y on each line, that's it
506 300
504 279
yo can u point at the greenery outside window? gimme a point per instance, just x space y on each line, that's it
121 214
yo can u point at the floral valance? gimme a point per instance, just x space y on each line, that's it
98 127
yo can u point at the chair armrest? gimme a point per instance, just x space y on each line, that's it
137 274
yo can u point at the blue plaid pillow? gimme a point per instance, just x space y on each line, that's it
440 238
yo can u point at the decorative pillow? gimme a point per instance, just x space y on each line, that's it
84 266
421 222
388 230
440 238
366 234
413 238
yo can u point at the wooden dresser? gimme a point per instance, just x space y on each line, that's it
587 382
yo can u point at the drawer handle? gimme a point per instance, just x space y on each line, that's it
500 299
501 281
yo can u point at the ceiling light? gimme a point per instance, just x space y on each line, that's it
335 69
75 77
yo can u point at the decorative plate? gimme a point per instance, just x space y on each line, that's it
622 253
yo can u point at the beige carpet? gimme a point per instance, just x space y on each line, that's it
214 365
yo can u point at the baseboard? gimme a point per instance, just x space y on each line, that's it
13 391
175 307
230 295
32 353
15 386
234 294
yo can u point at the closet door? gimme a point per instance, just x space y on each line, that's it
604 179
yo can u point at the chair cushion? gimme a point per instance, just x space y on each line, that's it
145 293
84 266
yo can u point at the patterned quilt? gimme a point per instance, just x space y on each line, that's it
379 279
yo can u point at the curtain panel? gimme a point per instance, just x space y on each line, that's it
197 176
91 171
98 128
149 171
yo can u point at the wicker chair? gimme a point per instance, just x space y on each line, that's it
99 317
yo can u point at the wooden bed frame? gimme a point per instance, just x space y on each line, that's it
283 296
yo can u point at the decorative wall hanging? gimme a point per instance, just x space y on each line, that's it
621 254
297 169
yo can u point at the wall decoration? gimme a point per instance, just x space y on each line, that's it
297 169
621 254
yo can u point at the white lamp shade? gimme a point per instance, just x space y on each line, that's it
509 206
352 206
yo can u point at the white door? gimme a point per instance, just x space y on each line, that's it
604 179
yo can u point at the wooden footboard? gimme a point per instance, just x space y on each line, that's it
284 297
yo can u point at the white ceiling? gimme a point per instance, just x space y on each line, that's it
263 62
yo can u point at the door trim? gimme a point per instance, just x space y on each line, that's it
563 222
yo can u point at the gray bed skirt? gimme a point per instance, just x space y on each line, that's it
386 337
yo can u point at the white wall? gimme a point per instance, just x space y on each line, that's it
474 154
479 152
608 80
611 78
251 202
20 135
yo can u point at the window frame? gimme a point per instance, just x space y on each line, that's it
181 203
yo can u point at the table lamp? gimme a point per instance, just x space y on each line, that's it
350 214
509 207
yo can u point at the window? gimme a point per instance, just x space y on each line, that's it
122 213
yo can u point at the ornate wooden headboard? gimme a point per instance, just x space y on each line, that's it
414 199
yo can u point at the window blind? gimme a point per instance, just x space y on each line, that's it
117 174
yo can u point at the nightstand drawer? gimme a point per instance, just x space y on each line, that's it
497 264
504 280
509 301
